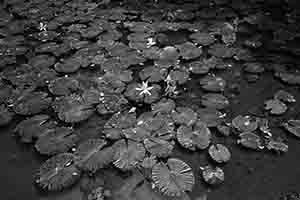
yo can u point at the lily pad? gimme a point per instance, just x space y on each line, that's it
213 83
275 106
222 51
55 141
293 126
255 68
214 100
92 155
153 74
277 145
289 78
168 57
173 178
211 117
194 137
163 106
219 153
63 86
284 96
158 147
58 172
250 140
184 115
245 123
203 38
6 115
212 175
128 154
189 51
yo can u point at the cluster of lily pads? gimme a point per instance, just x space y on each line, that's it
99 84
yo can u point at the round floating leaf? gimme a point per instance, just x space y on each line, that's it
57 140
289 78
284 96
93 156
34 127
222 51
128 154
275 106
111 103
153 74
212 175
58 172
214 100
189 51
250 140
293 126
213 83
255 68
203 38
168 57
219 153
158 147
173 178
143 92
194 137
184 115
223 130
244 123
163 106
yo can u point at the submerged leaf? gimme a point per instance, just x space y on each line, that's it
219 153
173 178
58 172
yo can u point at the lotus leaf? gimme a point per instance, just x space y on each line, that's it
255 68
128 154
30 103
158 147
203 38
194 137
63 86
212 175
293 126
173 178
143 92
55 141
245 123
213 83
284 96
275 106
222 51
163 106
72 109
214 100
189 51
211 117
153 74
250 140
92 155
219 153
58 172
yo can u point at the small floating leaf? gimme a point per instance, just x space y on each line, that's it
173 178
277 145
219 153
58 172
250 140
212 175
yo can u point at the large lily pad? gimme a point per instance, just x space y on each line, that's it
173 178
58 172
